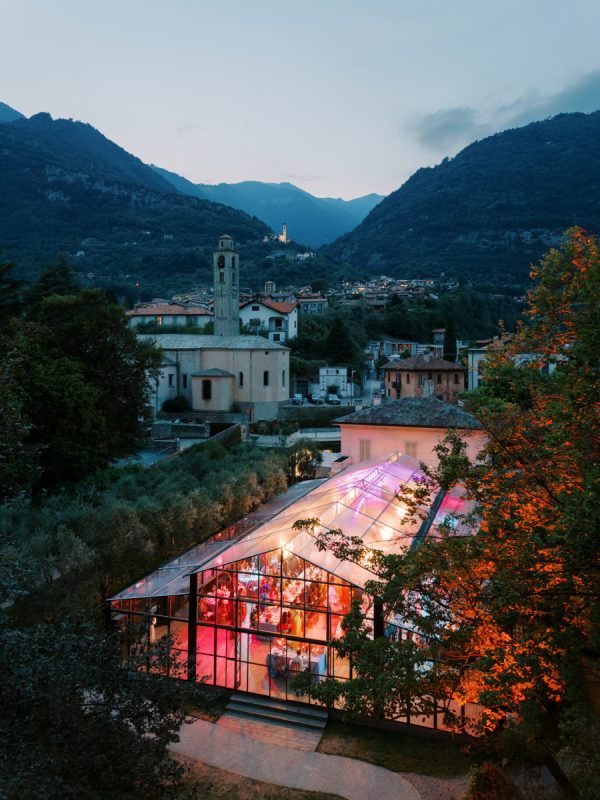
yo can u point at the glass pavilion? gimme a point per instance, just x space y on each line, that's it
246 614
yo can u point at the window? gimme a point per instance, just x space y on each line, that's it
266 377
221 261
241 379
456 377
233 261
410 448
278 324
439 377
421 379
255 308
408 377
184 381
364 449
429 376
206 389
283 379
276 337
171 376
159 320
221 277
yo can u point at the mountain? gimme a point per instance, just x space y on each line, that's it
310 220
67 188
485 215
8 114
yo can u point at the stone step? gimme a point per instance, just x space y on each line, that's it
303 713
275 716
279 734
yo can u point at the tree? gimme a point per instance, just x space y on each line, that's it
510 614
76 724
54 279
449 351
9 289
93 332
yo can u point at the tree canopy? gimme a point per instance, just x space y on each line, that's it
510 615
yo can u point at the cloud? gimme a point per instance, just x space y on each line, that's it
583 94
292 178
448 128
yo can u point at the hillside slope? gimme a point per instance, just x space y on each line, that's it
486 214
67 188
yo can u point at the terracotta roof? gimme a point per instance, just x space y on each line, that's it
419 362
283 308
168 309
413 412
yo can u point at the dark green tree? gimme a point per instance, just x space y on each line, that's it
76 724
93 332
449 351
9 290
56 278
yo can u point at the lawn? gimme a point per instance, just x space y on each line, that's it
212 783
400 752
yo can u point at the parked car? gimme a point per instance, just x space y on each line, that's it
297 400
333 400
316 399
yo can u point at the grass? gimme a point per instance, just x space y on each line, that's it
212 783
399 752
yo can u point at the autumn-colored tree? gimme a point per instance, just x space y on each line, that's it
511 613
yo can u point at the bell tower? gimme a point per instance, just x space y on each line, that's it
226 288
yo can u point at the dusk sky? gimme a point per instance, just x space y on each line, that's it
340 97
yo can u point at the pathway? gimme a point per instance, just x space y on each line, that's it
264 761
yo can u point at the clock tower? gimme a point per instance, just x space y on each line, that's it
227 288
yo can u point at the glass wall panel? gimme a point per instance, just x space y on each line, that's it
139 604
205 639
159 606
269 618
179 635
225 643
335 626
341 666
205 668
296 617
207 609
313 573
293 592
180 606
225 672
339 598
292 566
316 595
270 563
248 582
225 609
269 589
316 625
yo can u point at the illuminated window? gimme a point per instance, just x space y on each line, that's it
159 320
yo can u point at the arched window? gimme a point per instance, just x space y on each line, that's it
266 377
241 379
206 390
233 261
221 261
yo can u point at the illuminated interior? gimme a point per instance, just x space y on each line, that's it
247 614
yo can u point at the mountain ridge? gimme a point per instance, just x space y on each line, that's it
488 213
310 220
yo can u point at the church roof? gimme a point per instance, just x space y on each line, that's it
413 412
168 309
191 341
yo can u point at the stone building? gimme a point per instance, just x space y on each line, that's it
424 375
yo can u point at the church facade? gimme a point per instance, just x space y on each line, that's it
224 372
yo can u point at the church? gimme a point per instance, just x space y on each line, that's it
225 372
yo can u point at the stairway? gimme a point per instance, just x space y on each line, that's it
274 721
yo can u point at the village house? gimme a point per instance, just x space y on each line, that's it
413 426
424 375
